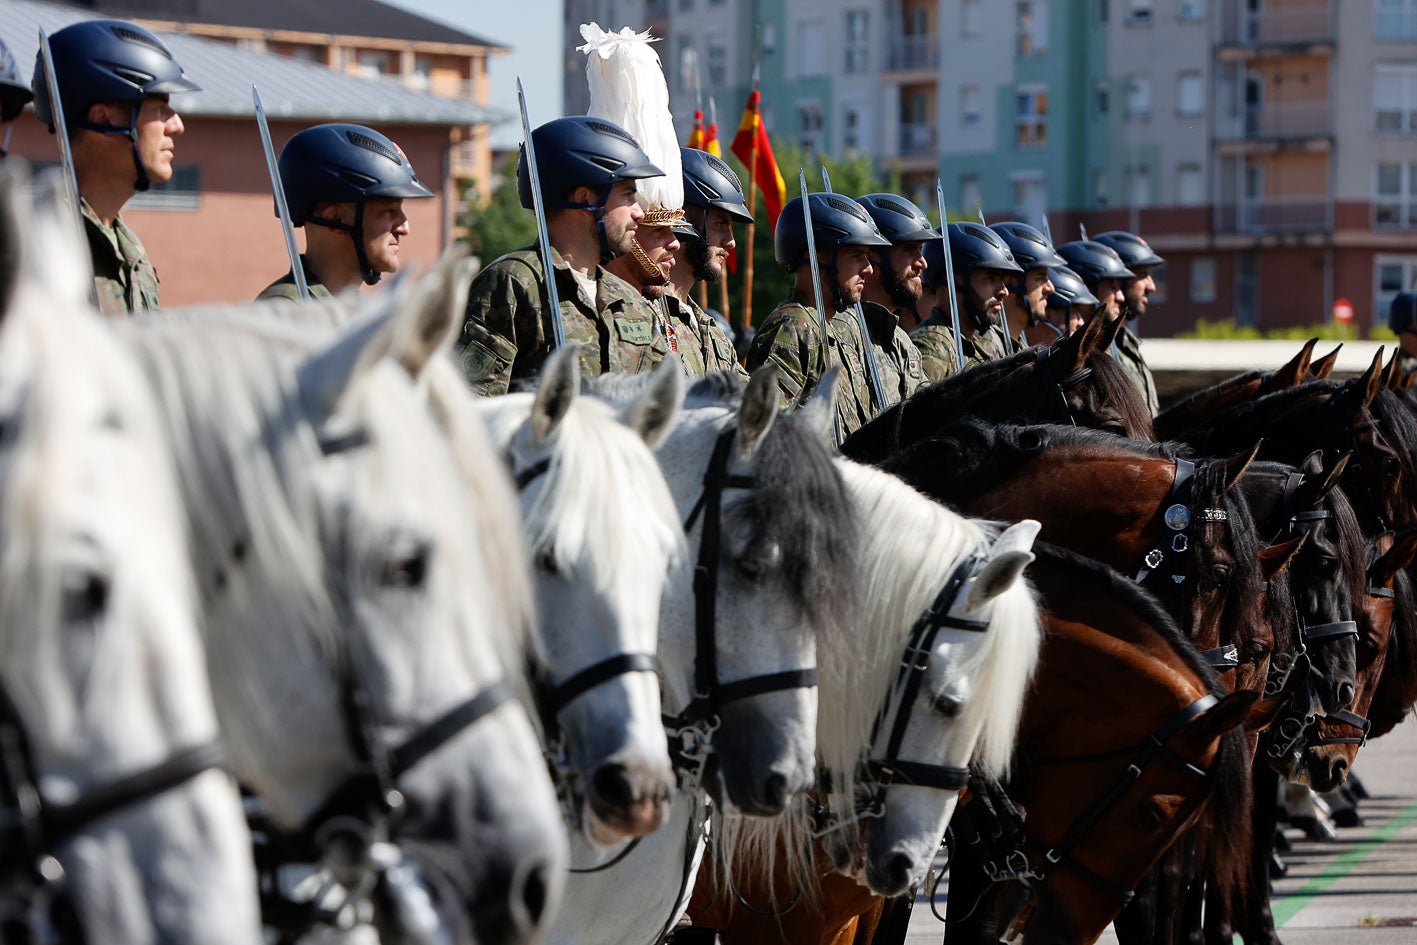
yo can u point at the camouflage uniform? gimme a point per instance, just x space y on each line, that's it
935 340
505 335
790 338
703 346
897 359
1129 356
125 281
284 287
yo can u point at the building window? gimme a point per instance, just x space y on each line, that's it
809 125
811 48
970 196
1102 97
1030 197
1395 197
1032 23
971 14
1190 191
1139 12
1031 123
1396 19
717 56
1203 279
1190 10
1395 99
769 41
1139 185
1099 187
857 44
374 63
1190 95
182 192
1138 96
851 130
971 105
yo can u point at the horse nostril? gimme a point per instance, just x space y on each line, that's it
1337 770
534 893
898 869
775 791
1346 692
611 784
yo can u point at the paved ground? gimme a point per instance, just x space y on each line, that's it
1360 890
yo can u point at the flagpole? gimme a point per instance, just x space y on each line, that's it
745 314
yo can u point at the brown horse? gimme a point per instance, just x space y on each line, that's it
1186 414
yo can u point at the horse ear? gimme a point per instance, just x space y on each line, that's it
1368 385
1009 555
1406 382
1399 556
758 409
1313 464
1230 712
1313 491
325 377
653 413
1275 558
820 410
1236 465
560 383
1323 367
1072 352
428 325
1292 373
1264 712
1394 370
1110 331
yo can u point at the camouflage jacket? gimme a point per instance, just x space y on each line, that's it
284 287
505 333
935 341
897 358
1128 354
124 279
702 345
791 338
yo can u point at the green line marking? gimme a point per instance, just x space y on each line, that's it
1289 906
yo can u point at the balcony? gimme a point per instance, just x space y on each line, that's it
909 53
1300 25
1276 121
917 139
1290 214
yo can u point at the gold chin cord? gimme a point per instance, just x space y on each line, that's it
648 268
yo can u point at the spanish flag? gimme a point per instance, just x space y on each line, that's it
696 136
711 144
751 136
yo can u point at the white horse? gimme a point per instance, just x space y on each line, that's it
935 677
775 538
107 713
604 536
367 601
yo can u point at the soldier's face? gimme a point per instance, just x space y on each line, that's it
991 287
157 126
660 244
385 224
907 264
1139 289
622 217
1081 312
1037 287
853 265
1110 292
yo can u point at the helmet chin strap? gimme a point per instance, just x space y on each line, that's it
648 269
131 133
597 212
356 235
975 307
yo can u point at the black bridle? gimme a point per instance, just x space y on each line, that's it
33 827
878 774
1060 386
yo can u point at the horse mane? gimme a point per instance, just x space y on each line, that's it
1399 427
720 389
1397 684
1118 388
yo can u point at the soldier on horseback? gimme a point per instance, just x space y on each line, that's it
588 168
1026 307
14 93
791 337
345 184
114 79
1070 304
893 290
984 266
1138 256
1102 271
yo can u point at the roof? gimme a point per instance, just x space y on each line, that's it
340 17
290 88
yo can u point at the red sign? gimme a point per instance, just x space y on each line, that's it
1342 310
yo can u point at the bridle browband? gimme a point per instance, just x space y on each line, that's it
1061 386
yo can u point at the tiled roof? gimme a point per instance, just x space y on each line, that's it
342 17
290 88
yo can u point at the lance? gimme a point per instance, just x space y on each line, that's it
816 273
543 236
950 275
61 126
1003 310
297 270
873 370
1082 230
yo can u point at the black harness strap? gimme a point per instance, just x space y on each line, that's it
1340 628
1060 387
1345 717
442 729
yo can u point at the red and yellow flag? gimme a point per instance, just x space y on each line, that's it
753 135
696 136
711 144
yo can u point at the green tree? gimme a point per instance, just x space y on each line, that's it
501 226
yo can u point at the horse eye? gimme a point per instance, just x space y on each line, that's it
85 596
406 571
1148 819
948 706
1220 573
1256 649
546 561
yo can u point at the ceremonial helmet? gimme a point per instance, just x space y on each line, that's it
1094 261
107 61
1069 289
712 184
836 222
579 151
1402 314
1133 250
14 93
341 163
1031 249
899 220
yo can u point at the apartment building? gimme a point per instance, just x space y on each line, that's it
1263 146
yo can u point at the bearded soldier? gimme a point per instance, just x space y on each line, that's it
791 336
14 94
1026 308
983 267
1138 256
1102 271
713 199
345 184
588 168
114 80
893 289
